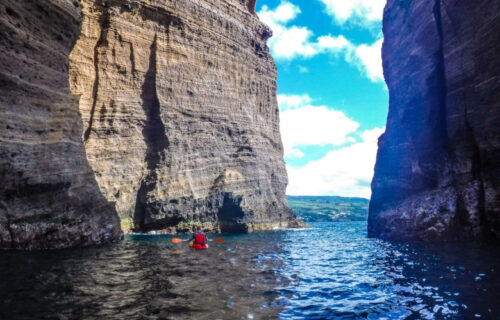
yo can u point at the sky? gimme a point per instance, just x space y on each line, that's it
331 91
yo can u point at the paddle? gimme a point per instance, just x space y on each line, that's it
177 240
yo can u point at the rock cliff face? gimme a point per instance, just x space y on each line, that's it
178 101
437 174
165 108
48 195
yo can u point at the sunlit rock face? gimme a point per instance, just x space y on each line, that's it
437 175
48 195
180 117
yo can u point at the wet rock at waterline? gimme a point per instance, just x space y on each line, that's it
161 112
437 174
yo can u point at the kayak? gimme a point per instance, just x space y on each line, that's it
197 246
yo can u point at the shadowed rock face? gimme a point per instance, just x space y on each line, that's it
437 175
161 111
48 194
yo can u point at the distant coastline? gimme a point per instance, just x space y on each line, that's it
329 208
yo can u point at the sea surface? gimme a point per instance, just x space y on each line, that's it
330 271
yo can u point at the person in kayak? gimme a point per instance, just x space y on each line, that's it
199 238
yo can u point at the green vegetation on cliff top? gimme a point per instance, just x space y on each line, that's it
329 208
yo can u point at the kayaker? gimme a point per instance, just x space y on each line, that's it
199 237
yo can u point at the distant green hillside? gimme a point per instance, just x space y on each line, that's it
329 208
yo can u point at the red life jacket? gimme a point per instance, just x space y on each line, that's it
199 238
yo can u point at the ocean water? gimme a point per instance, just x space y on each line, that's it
331 271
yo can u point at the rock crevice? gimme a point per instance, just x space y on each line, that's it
101 43
156 140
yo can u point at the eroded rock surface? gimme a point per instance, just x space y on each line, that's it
437 174
178 100
48 195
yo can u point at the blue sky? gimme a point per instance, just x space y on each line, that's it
332 96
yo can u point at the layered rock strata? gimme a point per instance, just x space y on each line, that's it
48 195
181 123
437 175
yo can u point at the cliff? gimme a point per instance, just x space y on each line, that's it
48 195
437 175
181 122
164 112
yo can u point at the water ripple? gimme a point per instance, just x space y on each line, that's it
331 271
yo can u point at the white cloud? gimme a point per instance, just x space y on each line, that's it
293 41
287 42
293 101
303 124
332 44
370 57
360 12
283 13
367 58
346 171
290 42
